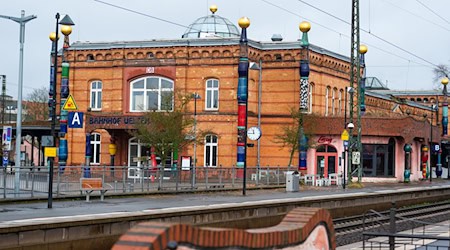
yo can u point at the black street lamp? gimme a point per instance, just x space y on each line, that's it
194 165
52 96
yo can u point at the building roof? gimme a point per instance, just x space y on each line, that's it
211 26
196 42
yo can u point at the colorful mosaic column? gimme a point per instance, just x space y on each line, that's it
63 147
88 156
444 82
407 173
424 161
242 95
304 95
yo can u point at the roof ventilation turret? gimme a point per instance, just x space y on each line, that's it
277 38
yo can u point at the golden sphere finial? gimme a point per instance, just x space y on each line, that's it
213 8
444 81
52 36
363 49
66 29
304 26
244 22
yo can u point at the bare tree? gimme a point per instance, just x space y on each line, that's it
289 137
36 105
440 72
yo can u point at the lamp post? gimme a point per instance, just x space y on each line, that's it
242 97
21 21
350 126
304 89
3 97
52 95
432 149
258 67
444 82
194 165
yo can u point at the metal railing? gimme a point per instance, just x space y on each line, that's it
421 235
123 179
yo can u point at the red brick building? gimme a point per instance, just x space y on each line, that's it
114 82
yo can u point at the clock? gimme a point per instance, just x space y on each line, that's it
254 133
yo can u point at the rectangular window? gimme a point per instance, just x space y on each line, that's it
376 162
212 94
96 96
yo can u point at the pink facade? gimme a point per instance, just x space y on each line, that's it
394 159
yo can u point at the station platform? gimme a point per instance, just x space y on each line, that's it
28 210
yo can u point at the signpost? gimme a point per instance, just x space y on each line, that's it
345 137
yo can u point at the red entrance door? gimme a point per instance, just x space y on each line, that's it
326 160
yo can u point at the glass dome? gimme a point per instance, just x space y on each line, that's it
211 26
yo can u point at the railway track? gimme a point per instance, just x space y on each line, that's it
349 229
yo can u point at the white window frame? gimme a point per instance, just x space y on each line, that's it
95 101
326 100
211 90
145 91
340 101
96 146
211 145
333 101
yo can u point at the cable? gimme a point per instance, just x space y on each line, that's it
341 34
307 19
372 34
142 14
432 11
417 15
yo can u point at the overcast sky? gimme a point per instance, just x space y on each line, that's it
408 24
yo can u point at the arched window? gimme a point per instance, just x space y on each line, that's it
333 101
211 149
212 94
96 95
341 92
310 97
151 93
327 95
95 148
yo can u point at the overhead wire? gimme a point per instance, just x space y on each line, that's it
291 12
142 14
414 14
368 32
341 34
432 11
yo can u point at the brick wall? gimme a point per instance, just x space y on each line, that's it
301 228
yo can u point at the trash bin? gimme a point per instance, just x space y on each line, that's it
292 181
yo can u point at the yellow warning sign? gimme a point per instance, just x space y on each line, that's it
70 104
344 135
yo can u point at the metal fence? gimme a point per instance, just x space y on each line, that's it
422 235
33 181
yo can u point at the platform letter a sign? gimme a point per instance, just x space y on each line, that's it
75 119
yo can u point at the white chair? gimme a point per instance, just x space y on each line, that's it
310 178
333 179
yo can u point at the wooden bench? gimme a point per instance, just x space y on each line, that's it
90 185
216 186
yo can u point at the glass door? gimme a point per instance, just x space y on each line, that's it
331 164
